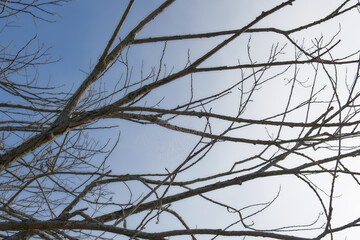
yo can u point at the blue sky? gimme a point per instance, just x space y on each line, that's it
80 34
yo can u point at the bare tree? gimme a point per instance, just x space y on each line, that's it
290 117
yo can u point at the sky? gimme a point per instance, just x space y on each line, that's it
79 35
